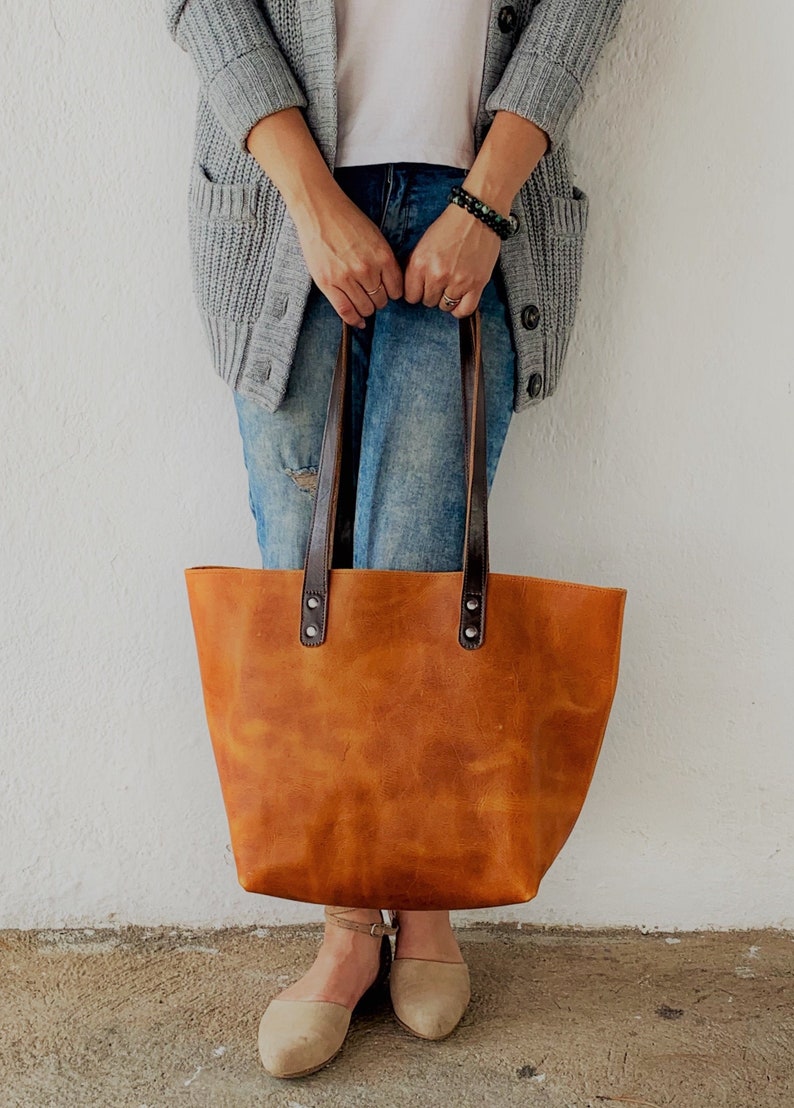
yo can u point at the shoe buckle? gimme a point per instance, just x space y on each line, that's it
379 929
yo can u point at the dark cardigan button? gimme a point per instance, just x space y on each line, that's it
530 316
535 384
507 18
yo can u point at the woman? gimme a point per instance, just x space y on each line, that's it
329 140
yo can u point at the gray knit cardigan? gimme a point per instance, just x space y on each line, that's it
250 279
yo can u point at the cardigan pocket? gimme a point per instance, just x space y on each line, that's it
567 229
228 235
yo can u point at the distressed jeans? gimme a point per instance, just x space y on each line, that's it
407 412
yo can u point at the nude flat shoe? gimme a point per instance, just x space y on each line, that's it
299 1037
429 997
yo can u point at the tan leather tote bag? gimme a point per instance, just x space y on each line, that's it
420 740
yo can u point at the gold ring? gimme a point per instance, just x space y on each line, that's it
450 302
374 290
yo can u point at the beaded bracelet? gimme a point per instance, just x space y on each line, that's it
504 226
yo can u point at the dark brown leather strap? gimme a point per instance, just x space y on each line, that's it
475 543
314 597
342 553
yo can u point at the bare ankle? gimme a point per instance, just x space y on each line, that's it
435 920
427 935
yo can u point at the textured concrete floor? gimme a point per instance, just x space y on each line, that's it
144 1018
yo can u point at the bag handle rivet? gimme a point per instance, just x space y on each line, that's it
311 630
470 632
471 605
312 602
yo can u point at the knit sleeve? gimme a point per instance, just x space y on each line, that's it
545 78
243 72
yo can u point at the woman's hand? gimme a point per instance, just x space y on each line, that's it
345 253
348 257
455 256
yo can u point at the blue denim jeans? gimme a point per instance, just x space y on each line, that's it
407 411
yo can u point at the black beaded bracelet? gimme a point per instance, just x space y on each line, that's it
504 226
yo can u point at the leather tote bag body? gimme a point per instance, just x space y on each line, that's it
421 740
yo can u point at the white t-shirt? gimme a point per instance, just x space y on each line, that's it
409 74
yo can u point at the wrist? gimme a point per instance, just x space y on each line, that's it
490 188
509 153
309 199
503 226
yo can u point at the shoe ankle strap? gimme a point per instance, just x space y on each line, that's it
333 915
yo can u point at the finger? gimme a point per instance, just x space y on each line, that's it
392 277
433 291
378 299
467 306
344 306
358 295
442 304
414 284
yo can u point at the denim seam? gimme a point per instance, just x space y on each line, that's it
386 192
410 215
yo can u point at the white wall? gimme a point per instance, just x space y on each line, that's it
663 464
